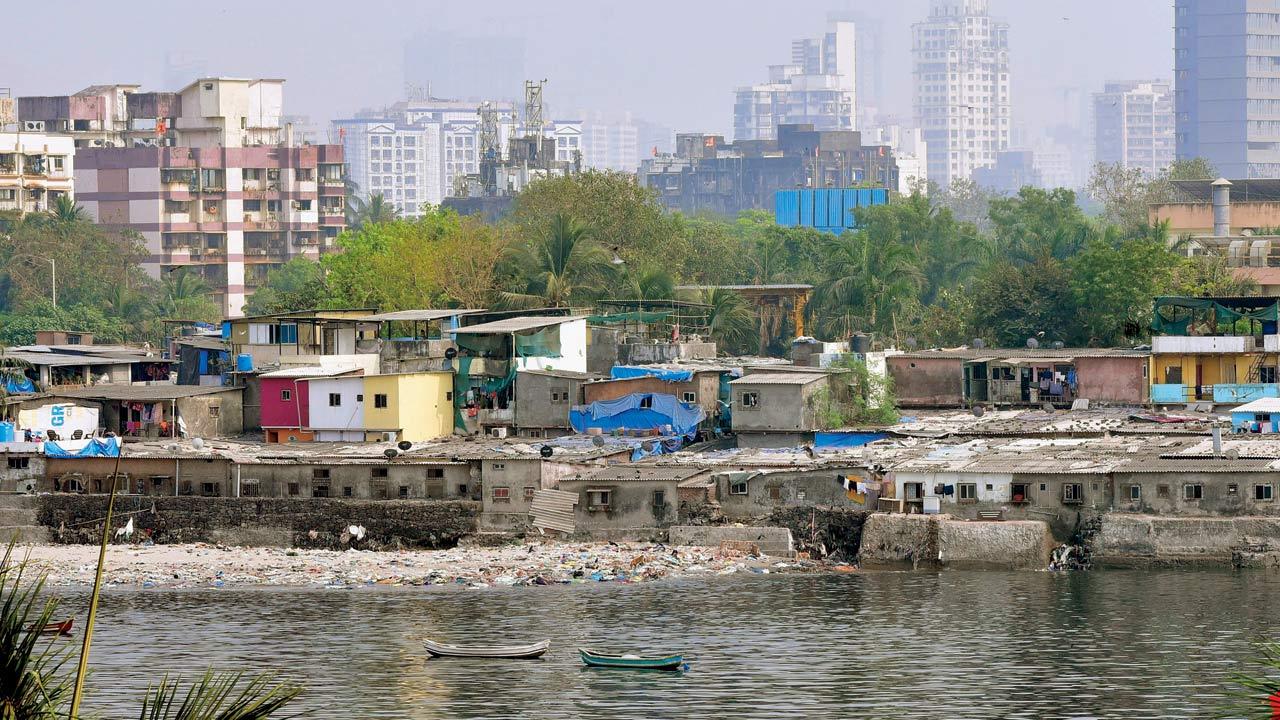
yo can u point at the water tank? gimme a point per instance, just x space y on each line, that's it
931 505
7 432
861 343
244 363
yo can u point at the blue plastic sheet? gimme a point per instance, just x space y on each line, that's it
96 447
15 385
627 412
620 372
845 439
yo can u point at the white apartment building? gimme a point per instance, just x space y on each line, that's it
910 152
610 145
1134 125
419 152
817 87
961 77
35 169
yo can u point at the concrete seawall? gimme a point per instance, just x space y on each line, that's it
940 541
1127 540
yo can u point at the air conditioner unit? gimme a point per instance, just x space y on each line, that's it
33 125
498 432
26 487
389 437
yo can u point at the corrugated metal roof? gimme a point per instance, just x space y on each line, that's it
1261 405
553 510
566 374
629 473
515 324
420 315
988 354
311 371
770 378
144 392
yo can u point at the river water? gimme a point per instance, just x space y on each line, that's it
955 644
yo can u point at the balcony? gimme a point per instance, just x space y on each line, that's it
1207 344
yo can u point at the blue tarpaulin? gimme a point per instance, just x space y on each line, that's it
15 385
620 372
95 447
845 439
638 411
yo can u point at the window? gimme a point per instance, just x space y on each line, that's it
435 473
462 489
775 492
293 488
208 489
646 402
359 397
1019 492
738 488
967 492
1192 491
19 463
286 395
1135 493
689 397
749 399
215 410
502 494
250 488
320 473
529 490
380 400
378 473
1072 493
404 491
498 466
335 399
1162 491
559 396
346 491
659 498
599 499
1233 489
320 491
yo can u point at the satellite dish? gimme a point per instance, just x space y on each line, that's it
597 440
450 353
404 445
545 451
978 410
1033 343
978 343
197 443
391 452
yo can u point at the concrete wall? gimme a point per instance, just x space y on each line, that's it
1127 540
602 349
927 382
755 439
895 539
1043 499
631 505
536 409
1221 493
384 481
269 522
418 404
349 414
146 476
1197 218
518 478
780 407
767 492
775 541
1118 380
214 415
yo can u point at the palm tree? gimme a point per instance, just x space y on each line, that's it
560 266
375 210
65 210
647 283
730 319
180 289
866 280
32 684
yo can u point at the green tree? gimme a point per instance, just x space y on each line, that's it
867 280
560 266
650 282
1113 281
730 320
1039 223
296 285
66 211
1014 302
373 211
184 295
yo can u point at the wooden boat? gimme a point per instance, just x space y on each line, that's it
510 652
58 628
631 662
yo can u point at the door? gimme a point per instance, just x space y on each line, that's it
1199 381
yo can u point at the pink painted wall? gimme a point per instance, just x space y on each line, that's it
285 413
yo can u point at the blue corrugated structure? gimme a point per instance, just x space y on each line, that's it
826 209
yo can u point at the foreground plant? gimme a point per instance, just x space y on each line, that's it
1259 695
35 683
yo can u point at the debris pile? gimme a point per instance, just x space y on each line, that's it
205 565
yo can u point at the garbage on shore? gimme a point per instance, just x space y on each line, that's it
204 565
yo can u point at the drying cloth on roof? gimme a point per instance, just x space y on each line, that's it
620 372
834 440
638 411
95 447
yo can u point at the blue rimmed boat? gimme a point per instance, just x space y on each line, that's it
632 662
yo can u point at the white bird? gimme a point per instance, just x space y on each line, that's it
125 532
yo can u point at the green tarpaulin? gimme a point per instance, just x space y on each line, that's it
640 316
1174 315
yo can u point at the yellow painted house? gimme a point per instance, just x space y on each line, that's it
1221 350
416 406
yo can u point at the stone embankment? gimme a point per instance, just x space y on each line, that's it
941 541
1127 540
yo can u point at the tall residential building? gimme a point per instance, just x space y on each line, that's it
35 169
816 88
209 176
609 144
961 80
1227 84
1133 125
910 151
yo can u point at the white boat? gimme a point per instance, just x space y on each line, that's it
510 652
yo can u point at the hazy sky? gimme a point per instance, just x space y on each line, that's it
670 61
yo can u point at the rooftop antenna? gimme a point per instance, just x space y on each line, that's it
533 107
